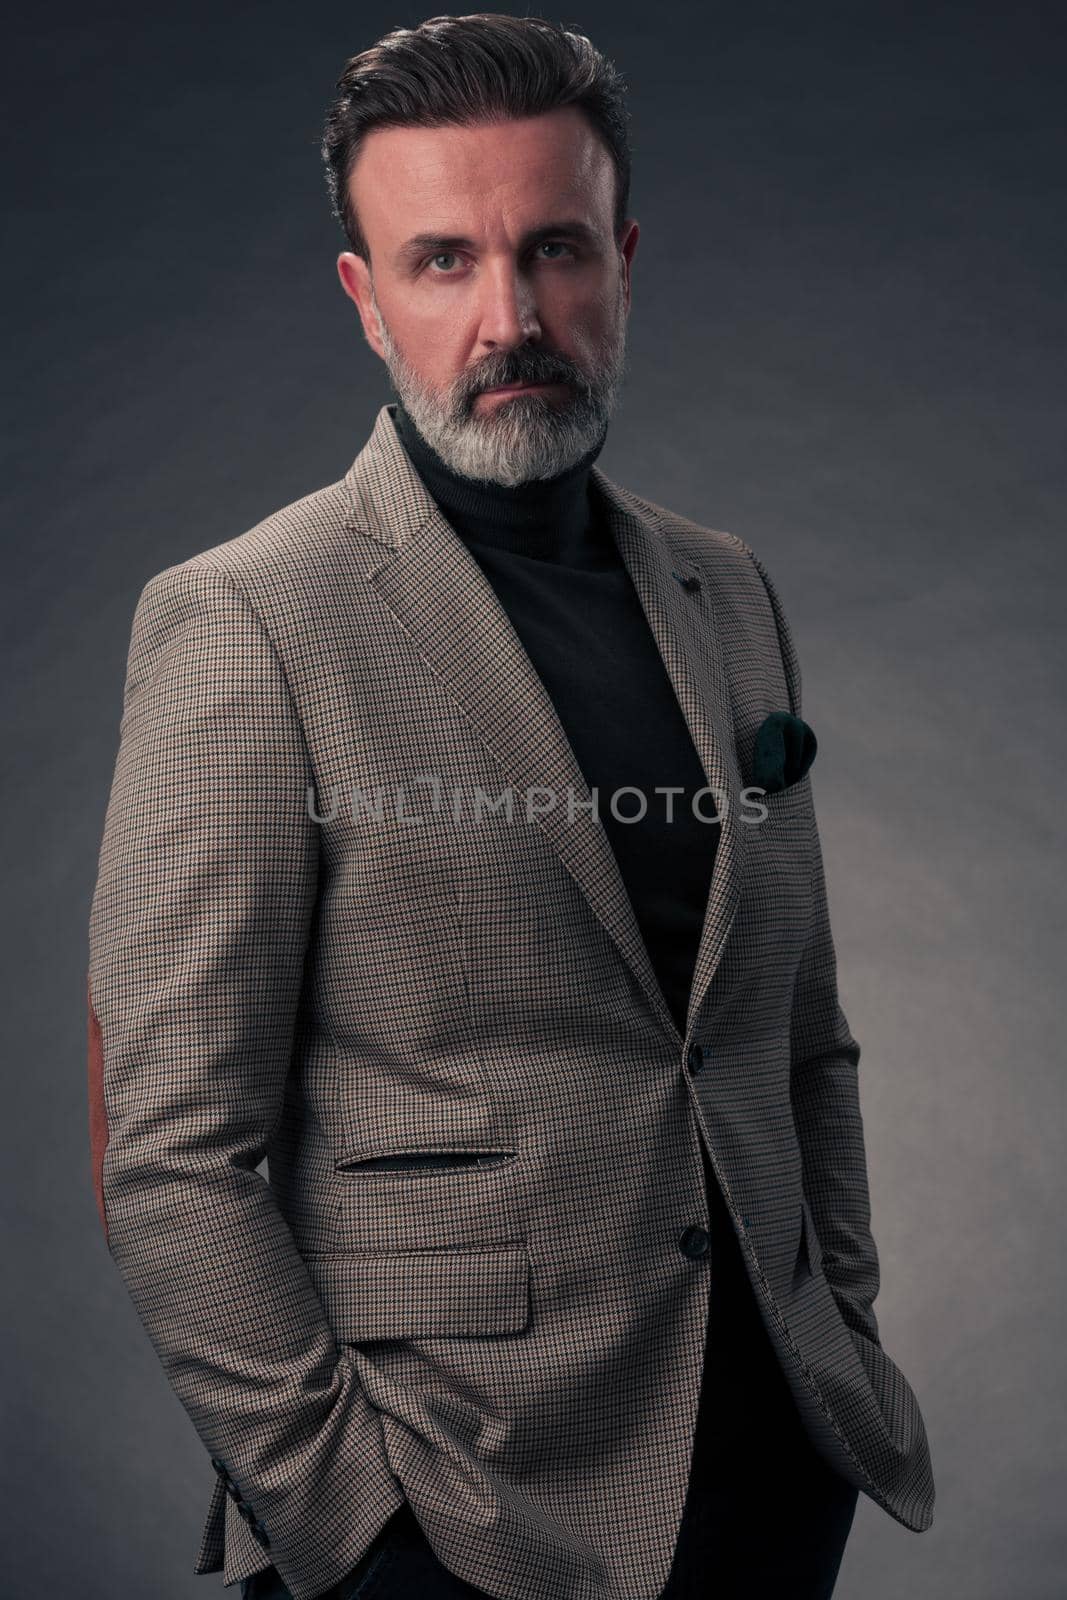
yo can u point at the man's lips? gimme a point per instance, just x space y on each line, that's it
516 388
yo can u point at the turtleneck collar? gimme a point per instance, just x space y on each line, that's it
550 519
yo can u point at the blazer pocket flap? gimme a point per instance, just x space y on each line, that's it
407 1294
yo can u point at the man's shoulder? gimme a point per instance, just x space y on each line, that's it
278 547
697 540
283 568
741 585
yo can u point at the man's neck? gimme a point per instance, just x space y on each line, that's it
547 518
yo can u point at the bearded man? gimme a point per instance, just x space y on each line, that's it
559 1281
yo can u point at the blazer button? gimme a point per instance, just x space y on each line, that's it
259 1534
694 1243
695 1059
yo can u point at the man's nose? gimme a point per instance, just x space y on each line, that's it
508 309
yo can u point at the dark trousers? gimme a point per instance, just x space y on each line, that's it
765 1518
768 1537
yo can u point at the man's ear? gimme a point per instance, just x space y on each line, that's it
356 283
630 236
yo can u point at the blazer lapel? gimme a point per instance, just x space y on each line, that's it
441 598
687 627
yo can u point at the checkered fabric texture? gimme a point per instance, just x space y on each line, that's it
461 1280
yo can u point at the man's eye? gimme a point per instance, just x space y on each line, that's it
546 244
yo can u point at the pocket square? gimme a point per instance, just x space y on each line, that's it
784 750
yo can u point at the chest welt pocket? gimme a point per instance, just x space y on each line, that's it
406 1294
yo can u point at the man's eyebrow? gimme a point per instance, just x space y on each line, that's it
420 244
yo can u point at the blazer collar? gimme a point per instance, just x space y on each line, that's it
439 595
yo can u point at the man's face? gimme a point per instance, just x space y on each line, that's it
495 263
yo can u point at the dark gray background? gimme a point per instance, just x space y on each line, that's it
847 343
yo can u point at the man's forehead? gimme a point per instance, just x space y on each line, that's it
549 167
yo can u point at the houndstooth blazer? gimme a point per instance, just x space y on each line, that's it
463 1281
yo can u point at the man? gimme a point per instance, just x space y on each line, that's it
561 1279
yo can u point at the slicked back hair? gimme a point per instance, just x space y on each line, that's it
464 71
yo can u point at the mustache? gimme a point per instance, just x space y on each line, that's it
523 367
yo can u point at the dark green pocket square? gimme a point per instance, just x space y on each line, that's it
784 750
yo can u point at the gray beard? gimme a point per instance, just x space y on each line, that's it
523 439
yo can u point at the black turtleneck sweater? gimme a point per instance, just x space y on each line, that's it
546 548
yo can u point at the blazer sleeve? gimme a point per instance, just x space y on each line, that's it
198 930
824 1082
